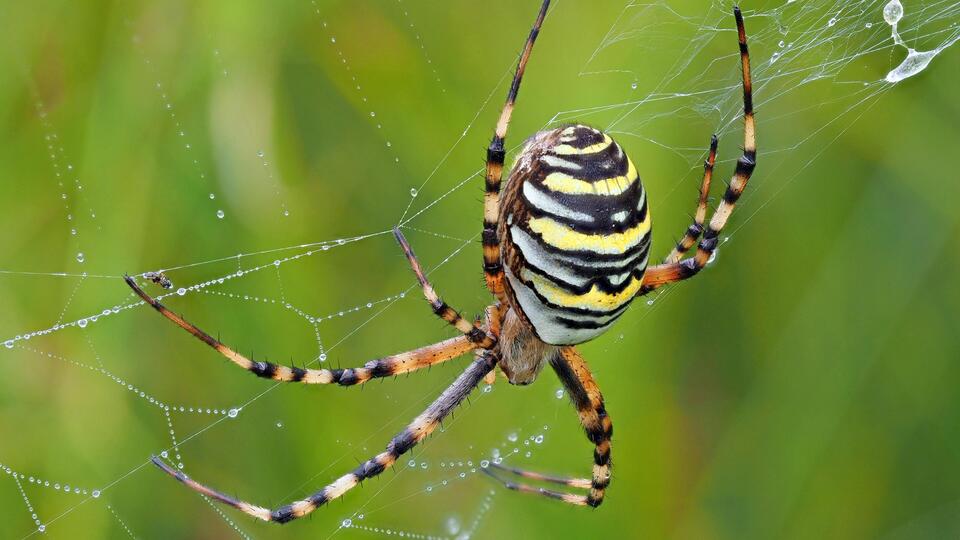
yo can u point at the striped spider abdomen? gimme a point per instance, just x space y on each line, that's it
575 234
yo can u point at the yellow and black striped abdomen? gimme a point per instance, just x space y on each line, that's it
575 233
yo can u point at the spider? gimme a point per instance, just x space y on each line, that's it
565 250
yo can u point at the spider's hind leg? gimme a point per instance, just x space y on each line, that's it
416 431
572 370
570 498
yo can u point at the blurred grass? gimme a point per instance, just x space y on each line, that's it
803 387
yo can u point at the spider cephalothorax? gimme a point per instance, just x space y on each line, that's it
564 254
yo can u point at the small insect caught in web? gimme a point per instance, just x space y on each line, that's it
158 278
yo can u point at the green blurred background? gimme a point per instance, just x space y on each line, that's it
802 387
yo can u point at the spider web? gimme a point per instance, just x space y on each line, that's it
85 357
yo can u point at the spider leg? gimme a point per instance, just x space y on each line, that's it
583 483
573 372
693 232
477 335
492 267
660 275
421 427
493 319
570 498
381 367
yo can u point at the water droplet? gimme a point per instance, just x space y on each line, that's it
220 214
80 257
832 21
538 439
181 291
633 86
260 153
8 343
559 393
484 463
42 528
82 323
868 25
347 523
212 196
512 437
486 389
893 12
453 525
232 413
279 424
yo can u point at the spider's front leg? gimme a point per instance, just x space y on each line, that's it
420 428
492 266
481 338
663 274
695 229
387 366
573 372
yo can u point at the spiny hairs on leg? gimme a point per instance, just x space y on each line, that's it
382 367
415 432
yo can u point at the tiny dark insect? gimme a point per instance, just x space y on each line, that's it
159 278
564 253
